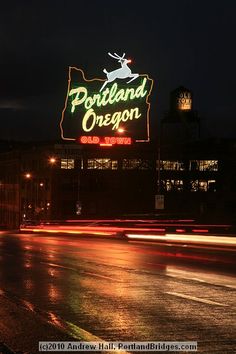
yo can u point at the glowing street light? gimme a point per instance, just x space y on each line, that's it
52 160
120 130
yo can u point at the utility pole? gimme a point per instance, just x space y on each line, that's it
159 170
159 198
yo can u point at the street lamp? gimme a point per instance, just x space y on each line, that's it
26 207
51 203
52 160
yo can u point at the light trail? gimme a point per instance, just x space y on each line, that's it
200 235
186 238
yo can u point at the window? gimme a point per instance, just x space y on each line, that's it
194 185
102 164
82 164
212 185
131 164
67 164
204 165
173 185
203 185
171 165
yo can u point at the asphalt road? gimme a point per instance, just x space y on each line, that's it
55 287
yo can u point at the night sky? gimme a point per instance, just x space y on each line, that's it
189 43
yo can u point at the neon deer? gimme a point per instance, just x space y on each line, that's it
122 73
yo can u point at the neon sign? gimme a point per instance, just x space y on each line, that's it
107 108
107 140
184 101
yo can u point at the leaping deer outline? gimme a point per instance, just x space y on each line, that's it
122 73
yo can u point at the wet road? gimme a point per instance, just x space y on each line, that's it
64 287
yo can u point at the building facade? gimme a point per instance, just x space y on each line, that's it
69 180
66 181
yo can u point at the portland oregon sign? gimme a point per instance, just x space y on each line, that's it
114 110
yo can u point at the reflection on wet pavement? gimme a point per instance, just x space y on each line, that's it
116 291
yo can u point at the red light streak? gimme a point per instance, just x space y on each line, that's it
94 231
82 229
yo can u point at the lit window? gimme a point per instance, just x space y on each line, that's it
67 164
131 164
178 185
174 185
102 164
203 185
204 165
171 165
169 185
194 185
208 165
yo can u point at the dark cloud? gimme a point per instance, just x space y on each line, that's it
14 105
